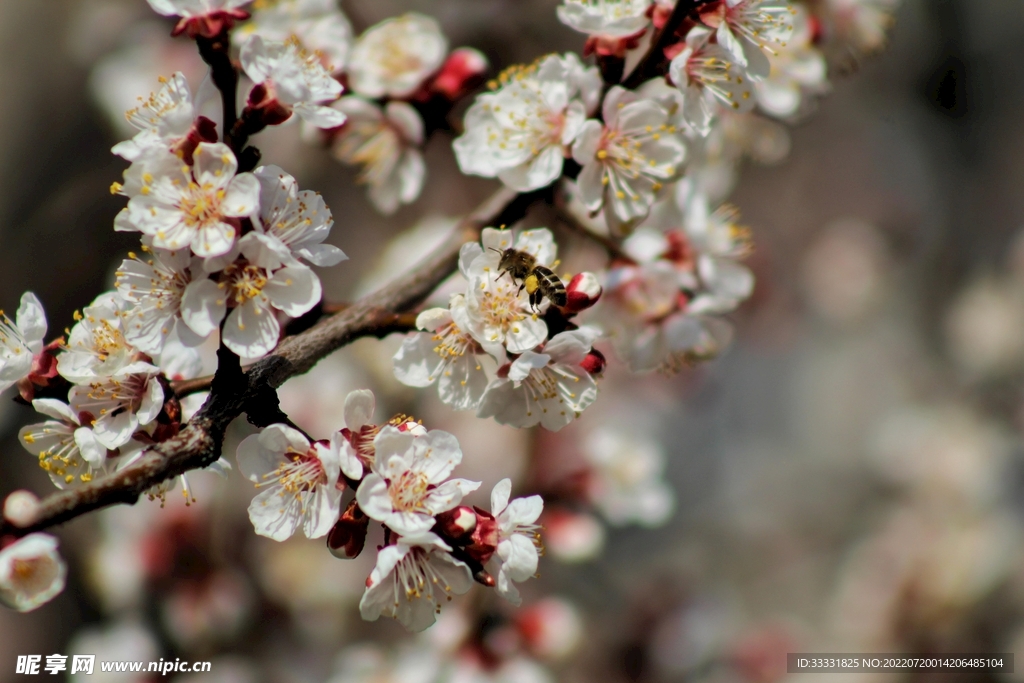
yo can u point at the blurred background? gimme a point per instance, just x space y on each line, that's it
847 477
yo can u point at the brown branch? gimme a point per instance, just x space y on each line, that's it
232 393
652 63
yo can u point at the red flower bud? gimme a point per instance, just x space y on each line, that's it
462 71
485 537
456 524
348 535
209 25
594 363
583 292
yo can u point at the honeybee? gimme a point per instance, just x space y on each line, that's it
537 280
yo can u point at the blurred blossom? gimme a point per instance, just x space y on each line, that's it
983 327
843 271
572 537
124 640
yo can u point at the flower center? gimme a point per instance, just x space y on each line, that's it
407 491
243 281
200 204
300 473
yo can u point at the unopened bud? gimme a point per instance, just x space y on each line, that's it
583 292
462 71
348 535
594 363
485 537
456 524
21 508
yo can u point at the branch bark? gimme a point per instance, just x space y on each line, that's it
199 442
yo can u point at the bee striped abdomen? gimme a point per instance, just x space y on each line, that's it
549 285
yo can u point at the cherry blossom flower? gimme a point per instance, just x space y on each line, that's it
153 291
644 314
608 18
863 23
289 79
253 287
319 25
549 387
707 73
178 205
498 308
393 58
750 28
166 120
385 142
206 18
96 346
301 480
625 480
627 161
796 68
409 481
299 221
519 132
31 572
445 353
67 450
518 539
402 585
121 403
21 340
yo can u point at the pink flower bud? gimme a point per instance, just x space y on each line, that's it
594 362
583 292
348 535
21 508
456 524
462 71
485 537
210 24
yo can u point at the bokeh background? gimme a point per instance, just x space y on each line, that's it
848 476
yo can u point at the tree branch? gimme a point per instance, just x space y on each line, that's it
199 442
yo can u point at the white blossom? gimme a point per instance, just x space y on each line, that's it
67 450
294 78
386 143
625 481
152 290
21 340
445 353
319 25
628 160
499 310
608 18
863 23
254 286
750 28
796 68
547 387
194 8
402 585
409 484
179 205
393 58
96 346
520 132
120 403
31 572
163 119
708 75
300 221
518 538
300 480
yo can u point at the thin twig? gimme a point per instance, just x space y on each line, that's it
199 443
